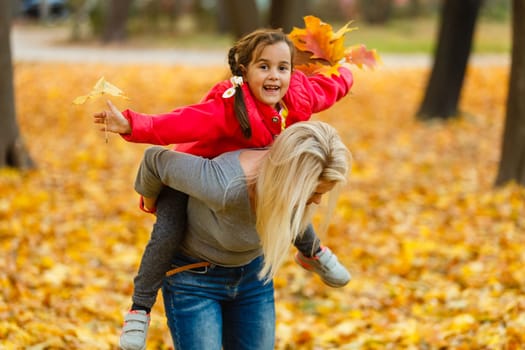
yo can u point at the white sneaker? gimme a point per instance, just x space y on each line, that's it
326 265
135 330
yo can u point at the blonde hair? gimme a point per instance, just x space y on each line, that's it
304 155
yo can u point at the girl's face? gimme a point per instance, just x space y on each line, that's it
268 75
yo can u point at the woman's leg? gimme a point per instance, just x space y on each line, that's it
192 308
217 307
249 318
166 237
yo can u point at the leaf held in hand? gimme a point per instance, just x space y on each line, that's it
101 87
360 56
326 49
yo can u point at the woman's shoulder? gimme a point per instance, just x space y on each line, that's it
246 160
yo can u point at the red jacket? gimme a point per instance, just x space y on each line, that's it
210 127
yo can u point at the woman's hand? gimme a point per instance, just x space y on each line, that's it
148 204
113 120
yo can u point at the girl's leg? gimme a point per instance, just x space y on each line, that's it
308 243
314 257
166 237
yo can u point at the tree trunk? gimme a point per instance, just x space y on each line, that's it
458 20
115 21
243 16
512 162
12 150
286 14
376 11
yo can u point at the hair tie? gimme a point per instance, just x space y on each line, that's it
236 81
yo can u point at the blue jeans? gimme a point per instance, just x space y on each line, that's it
217 307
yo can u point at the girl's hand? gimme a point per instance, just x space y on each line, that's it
113 120
302 57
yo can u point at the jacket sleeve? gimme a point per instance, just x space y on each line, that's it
203 121
323 92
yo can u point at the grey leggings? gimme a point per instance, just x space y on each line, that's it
166 237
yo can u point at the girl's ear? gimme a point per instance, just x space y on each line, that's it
243 70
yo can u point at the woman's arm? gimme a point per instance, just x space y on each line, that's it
202 178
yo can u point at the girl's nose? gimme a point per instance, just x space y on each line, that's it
274 74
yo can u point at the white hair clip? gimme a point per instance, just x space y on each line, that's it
236 80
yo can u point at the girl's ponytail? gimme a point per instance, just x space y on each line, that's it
239 106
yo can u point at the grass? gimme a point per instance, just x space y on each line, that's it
398 36
420 35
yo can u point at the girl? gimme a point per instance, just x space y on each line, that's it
263 97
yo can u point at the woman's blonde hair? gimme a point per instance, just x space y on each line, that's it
303 156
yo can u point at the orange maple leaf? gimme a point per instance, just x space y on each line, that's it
361 56
327 49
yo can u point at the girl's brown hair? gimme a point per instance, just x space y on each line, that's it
245 50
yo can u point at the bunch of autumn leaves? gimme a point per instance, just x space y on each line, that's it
322 51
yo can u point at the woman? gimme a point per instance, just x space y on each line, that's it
264 96
245 209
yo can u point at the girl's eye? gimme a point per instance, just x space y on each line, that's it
283 68
263 66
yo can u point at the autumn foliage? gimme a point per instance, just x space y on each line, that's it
436 252
326 51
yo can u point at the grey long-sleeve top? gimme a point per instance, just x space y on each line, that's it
221 224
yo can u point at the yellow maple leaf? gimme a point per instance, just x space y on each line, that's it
101 87
319 68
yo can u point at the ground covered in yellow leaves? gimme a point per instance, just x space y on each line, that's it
435 251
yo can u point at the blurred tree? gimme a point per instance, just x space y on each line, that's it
115 21
512 162
415 8
12 149
286 14
81 12
243 16
44 11
458 19
376 11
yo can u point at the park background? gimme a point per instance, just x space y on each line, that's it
434 247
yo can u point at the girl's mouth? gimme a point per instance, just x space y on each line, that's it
271 88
